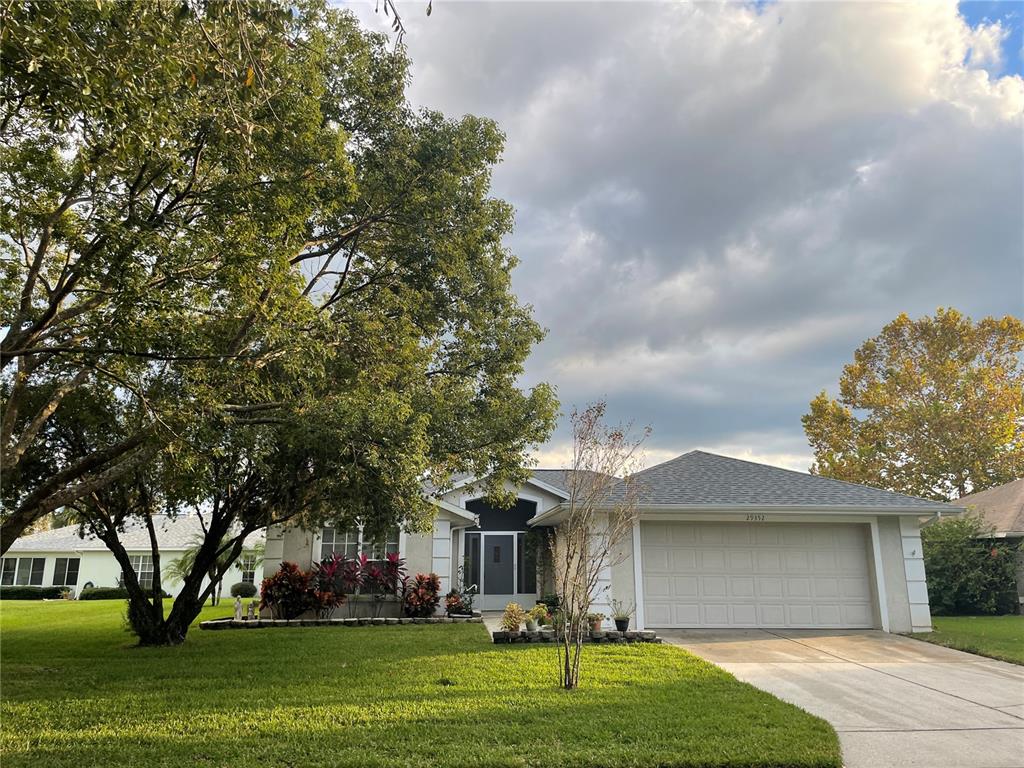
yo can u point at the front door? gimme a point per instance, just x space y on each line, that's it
499 558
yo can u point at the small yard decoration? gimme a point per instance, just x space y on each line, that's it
513 617
422 595
594 621
621 614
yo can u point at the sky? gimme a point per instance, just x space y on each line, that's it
716 204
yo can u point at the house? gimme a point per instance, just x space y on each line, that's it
1002 508
63 557
720 542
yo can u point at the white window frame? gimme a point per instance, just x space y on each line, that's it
143 567
247 565
360 543
17 569
63 582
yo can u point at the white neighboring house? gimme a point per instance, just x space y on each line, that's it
61 557
720 543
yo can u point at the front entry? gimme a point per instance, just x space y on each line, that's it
499 564
499 557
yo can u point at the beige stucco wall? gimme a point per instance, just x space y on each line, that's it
418 553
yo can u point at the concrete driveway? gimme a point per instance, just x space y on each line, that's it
894 701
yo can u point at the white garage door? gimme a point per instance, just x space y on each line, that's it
756 575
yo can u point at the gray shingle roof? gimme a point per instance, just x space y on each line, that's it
177 533
1002 506
699 477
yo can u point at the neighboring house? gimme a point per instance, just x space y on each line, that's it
720 543
61 557
1002 508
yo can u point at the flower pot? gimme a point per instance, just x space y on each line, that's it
622 624
595 626
531 625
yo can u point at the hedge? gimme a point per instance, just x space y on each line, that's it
106 593
32 593
243 589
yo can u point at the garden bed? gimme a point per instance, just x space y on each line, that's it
362 621
611 636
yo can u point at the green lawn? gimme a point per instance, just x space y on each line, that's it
76 693
1001 637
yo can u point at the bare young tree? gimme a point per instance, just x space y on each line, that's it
601 510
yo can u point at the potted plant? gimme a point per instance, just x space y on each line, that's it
594 620
620 614
513 617
535 617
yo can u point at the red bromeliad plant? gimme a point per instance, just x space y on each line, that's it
422 594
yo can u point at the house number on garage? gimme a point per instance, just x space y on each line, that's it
756 518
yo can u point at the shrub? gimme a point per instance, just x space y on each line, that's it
327 582
513 617
107 593
422 594
968 573
539 613
243 589
454 604
32 593
551 601
287 592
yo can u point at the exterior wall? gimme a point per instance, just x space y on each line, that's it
623 581
423 552
916 584
418 553
544 500
101 569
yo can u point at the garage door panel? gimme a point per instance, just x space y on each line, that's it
768 575
683 559
743 615
685 586
741 586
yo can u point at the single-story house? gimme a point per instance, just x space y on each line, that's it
1002 508
63 557
720 542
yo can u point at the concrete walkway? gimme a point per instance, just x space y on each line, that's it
894 701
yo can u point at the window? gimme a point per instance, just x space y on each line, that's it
65 572
247 565
23 571
143 567
345 543
351 542
10 564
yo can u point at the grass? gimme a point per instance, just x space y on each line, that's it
76 693
999 637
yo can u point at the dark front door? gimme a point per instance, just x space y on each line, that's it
499 564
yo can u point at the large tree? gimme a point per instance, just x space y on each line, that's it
242 275
932 407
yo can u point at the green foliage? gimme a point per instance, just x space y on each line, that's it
107 593
243 589
968 573
999 637
234 253
32 593
241 273
371 696
931 407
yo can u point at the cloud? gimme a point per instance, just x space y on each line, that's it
716 204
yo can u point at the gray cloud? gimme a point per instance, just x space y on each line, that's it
715 206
